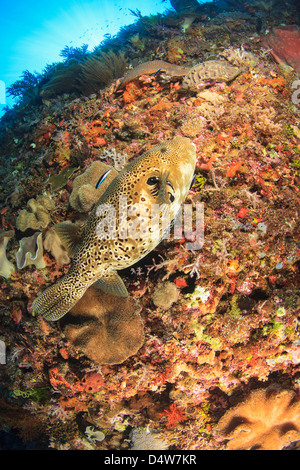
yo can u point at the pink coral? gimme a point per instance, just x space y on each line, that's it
284 43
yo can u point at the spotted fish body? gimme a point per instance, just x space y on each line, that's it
161 176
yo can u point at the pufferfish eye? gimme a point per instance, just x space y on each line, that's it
152 181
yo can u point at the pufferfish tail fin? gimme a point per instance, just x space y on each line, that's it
58 299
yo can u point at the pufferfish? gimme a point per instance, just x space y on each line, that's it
161 177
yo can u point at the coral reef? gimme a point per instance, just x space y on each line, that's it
137 42
6 266
269 419
85 76
194 123
59 181
84 193
185 7
213 362
240 57
100 70
210 71
145 439
36 215
265 5
165 295
94 435
31 251
106 328
64 79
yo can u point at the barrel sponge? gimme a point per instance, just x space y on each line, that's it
106 328
268 419
31 252
53 244
36 215
84 194
6 267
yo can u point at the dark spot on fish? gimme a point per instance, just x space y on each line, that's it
152 181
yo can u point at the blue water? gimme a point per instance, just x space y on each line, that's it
34 33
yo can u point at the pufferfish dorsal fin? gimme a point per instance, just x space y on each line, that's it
111 283
70 235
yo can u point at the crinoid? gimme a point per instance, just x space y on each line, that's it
100 70
64 79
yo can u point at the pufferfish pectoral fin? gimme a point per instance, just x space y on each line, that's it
70 235
112 284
